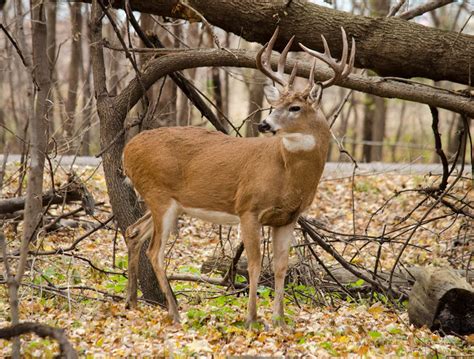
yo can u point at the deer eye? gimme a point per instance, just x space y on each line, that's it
294 108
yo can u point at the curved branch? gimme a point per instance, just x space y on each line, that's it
379 86
42 330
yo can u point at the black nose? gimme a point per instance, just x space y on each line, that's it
263 127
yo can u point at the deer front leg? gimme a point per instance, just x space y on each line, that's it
250 229
282 237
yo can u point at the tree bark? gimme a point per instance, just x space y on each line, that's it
74 71
51 15
88 101
255 104
378 128
388 46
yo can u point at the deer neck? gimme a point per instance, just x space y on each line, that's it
304 154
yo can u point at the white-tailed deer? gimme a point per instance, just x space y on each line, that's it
265 181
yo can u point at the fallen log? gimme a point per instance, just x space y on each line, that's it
442 300
72 191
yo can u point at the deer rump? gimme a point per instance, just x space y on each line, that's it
209 173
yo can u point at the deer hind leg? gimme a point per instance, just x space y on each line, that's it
135 235
282 237
164 219
250 229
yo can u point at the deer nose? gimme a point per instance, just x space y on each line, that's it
263 127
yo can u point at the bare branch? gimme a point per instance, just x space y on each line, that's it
420 10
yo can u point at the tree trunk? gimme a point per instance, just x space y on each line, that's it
122 197
368 124
38 131
25 103
38 136
88 100
51 15
255 103
388 46
218 95
378 128
453 141
374 119
74 70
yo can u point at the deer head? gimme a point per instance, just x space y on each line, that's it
291 108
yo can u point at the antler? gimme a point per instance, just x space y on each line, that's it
342 68
264 62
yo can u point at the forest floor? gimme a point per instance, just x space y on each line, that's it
82 290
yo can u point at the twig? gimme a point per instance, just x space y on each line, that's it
180 80
428 211
18 50
230 275
439 149
203 19
3 249
146 50
326 269
203 279
93 265
315 236
119 135
122 42
4 166
75 243
395 8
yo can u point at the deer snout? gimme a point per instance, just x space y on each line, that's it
264 126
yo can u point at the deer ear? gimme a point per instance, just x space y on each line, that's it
271 93
314 95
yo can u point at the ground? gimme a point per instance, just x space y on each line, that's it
65 291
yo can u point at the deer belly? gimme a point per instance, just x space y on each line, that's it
212 216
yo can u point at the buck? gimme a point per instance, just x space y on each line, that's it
264 181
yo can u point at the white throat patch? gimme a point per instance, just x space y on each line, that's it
295 142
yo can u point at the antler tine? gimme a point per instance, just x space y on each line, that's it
264 57
264 61
311 74
348 69
293 75
284 54
342 68
310 85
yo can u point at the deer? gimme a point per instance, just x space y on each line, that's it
261 181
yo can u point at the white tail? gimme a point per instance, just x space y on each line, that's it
255 181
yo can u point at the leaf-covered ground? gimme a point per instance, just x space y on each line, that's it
65 290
